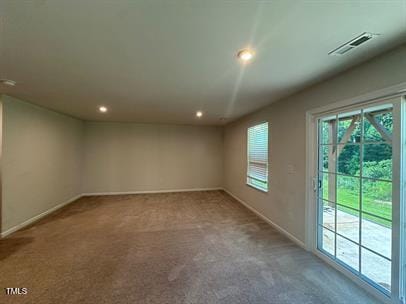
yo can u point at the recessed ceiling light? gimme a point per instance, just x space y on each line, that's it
102 109
8 82
199 113
245 54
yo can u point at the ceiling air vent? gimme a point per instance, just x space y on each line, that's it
352 44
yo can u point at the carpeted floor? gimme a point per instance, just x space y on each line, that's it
196 247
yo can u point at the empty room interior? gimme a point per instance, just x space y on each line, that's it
202 151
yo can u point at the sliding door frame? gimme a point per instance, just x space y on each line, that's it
1 164
377 97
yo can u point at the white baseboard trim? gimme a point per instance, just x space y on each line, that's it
150 191
266 219
49 211
53 209
38 217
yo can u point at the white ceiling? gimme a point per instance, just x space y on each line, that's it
160 61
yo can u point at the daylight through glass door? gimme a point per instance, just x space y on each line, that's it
355 192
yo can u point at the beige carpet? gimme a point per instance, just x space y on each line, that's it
196 247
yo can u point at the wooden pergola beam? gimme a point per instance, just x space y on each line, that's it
380 128
374 113
347 134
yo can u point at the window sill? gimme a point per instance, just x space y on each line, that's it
257 188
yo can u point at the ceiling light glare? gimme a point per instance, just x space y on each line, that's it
245 55
102 109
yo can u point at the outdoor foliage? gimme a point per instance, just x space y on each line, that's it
376 162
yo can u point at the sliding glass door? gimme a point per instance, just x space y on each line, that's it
358 190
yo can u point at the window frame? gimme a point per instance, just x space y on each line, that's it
267 159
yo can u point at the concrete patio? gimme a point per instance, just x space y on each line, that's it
373 236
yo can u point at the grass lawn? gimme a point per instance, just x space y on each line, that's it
350 198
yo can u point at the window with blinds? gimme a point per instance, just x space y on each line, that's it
257 170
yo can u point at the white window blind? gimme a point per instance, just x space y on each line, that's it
257 171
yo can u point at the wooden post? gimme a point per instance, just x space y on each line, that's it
332 132
347 135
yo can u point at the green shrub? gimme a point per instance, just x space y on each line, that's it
378 169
